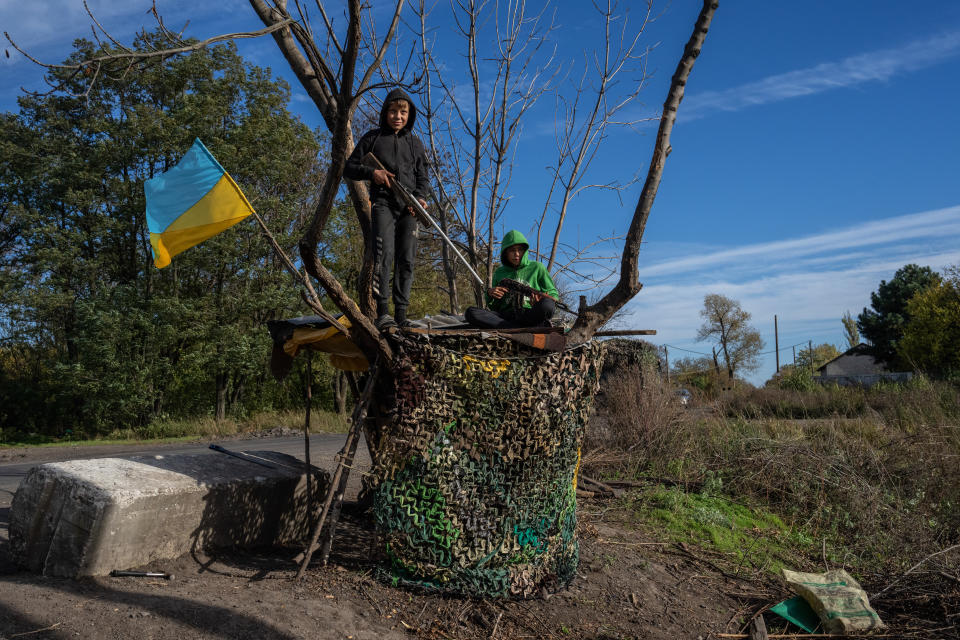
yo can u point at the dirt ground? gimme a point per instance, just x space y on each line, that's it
629 586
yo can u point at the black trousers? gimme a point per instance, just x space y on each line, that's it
395 247
536 316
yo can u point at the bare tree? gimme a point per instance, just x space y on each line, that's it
337 74
483 139
591 317
579 136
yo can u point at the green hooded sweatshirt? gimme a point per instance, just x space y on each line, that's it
529 272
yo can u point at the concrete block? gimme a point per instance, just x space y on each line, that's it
88 517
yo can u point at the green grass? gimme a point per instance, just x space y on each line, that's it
751 537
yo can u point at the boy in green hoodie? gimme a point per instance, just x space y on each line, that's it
505 311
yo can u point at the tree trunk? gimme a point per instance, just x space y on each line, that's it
236 393
340 392
220 412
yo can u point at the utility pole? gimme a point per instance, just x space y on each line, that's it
666 357
794 355
776 341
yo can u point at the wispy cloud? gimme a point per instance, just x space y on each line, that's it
808 282
874 66
929 224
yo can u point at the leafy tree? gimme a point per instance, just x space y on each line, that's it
931 336
97 334
850 330
816 357
700 373
727 323
799 376
883 325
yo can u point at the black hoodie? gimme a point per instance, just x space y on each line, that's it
401 153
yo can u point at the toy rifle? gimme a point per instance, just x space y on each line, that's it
407 198
520 290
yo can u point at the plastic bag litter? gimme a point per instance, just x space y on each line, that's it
837 598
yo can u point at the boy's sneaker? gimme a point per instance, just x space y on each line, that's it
385 321
405 324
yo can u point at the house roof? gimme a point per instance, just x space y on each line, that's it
862 349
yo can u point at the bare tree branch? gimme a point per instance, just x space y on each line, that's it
591 317
599 117
127 55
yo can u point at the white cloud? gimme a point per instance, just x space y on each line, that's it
929 224
867 67
807 282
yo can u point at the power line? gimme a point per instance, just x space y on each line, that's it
688 350
763 353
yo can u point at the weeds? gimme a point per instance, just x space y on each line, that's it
870 473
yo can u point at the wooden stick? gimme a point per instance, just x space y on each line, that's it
599 485
343 463
334 516
758 629
308 400
27 633
310 295
627 332
746 636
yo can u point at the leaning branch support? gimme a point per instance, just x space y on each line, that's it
344 461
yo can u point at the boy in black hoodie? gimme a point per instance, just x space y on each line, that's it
394 225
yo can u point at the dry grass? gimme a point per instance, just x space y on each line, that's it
320 422
873 474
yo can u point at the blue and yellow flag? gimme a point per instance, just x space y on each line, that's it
190 203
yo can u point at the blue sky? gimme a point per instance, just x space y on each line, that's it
816 150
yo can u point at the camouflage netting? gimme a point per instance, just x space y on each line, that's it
476 475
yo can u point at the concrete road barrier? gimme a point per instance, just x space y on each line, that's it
88 517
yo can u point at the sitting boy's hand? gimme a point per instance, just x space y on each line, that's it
497 293
382 177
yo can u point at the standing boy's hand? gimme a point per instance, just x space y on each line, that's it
382 177
423 203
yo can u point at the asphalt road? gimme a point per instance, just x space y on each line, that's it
323 450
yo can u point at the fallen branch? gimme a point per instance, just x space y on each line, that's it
684 551
804 635
27 633
912 569
496 624
599 487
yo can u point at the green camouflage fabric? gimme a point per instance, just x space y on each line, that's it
476 471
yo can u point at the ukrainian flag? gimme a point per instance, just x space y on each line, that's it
191 202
